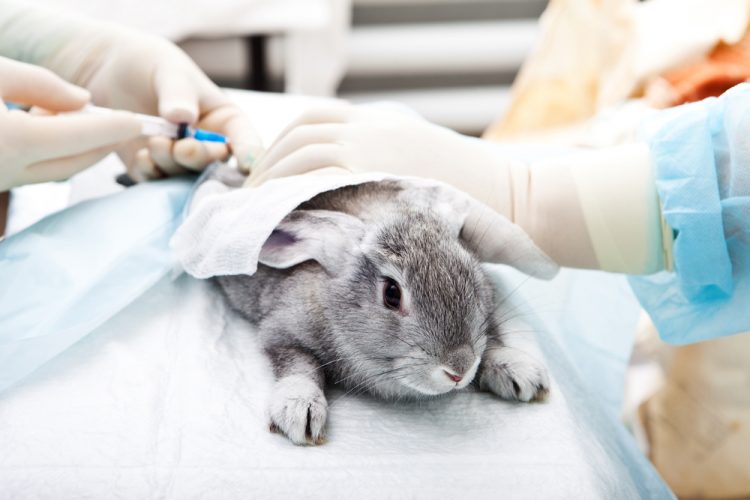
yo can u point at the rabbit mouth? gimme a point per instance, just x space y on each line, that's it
423 389
439 380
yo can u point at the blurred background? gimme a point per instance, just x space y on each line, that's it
444 58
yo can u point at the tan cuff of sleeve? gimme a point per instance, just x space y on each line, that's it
610 219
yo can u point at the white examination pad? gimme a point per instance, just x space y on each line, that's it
167 400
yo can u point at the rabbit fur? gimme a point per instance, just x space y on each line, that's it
326 310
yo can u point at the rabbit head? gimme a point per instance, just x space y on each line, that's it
405 300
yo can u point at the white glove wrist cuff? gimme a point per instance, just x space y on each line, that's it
620 205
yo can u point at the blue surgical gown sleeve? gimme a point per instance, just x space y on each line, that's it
701 163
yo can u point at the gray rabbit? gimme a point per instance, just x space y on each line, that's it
379 288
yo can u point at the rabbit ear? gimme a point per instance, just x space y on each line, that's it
494 238
491 236
324 236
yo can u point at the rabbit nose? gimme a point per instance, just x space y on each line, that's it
453 376
458 362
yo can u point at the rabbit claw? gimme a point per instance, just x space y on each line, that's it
514 375
299 410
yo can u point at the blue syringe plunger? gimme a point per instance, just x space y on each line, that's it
184 130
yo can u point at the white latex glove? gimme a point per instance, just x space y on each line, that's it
365 139
594 210
43 147
128 70
151 75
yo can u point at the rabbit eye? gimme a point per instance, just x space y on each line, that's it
391 294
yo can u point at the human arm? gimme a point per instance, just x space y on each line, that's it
596 210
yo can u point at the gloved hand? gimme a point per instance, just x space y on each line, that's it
594 210
151 75
128 70
365 139
38 148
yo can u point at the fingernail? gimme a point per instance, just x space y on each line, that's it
245 158
249 160
79 92
179 112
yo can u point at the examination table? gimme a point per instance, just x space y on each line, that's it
165 394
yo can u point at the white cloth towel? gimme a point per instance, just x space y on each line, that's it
226 227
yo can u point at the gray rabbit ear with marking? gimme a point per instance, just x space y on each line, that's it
324 236
491 236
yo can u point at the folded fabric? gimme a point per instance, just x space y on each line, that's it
226 227
701 161
72 271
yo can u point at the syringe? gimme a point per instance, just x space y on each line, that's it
156 126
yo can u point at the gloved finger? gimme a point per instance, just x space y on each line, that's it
35 86
195 155
47 137
63 168
306 159
160 150
127 152
330 171
335 113
37 111
177 95
145 167
319 171
245 142
299 137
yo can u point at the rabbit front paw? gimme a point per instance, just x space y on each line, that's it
299 410
513 374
